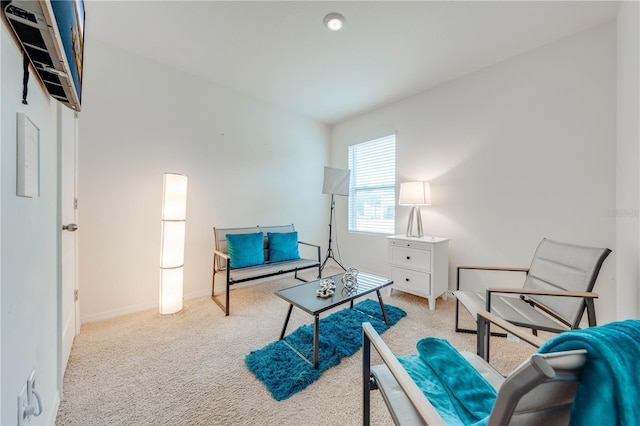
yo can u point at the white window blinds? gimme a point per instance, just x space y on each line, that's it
372 187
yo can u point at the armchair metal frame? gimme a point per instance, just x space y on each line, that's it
480 268
557 291
540 391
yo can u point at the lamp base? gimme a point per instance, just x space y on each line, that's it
415 211
173 314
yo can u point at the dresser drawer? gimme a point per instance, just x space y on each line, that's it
411 258
411 281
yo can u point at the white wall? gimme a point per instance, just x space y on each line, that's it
519 151
28 247
628 161
469 125
248 163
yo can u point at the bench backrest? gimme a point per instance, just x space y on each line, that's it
220 238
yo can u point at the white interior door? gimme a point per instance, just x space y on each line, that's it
69 318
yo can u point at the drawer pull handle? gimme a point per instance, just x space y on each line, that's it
408 257
406 279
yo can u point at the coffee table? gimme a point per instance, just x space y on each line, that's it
303 296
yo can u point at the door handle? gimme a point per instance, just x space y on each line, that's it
72 227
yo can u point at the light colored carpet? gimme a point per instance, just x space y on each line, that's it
188 369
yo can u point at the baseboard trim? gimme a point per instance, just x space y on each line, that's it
135 308
53 414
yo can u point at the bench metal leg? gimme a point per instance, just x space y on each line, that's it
225 306
295 275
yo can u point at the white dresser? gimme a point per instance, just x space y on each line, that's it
420 266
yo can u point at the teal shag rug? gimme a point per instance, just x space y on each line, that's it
285 373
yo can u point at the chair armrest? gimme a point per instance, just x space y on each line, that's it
494 268
221 254
308 244
413 392
540 292
225 256
510 328
317 249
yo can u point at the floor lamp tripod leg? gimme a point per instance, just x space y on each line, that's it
330 256
329 249
339 264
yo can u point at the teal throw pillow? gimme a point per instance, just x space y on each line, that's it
245 249
283 246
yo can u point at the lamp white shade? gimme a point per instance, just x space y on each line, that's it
174 213
415 194
174 203
172 252
171 290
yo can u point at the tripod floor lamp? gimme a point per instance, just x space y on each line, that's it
336 182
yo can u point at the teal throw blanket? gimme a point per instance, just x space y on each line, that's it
457 391
609 393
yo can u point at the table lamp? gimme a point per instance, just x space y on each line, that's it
415 194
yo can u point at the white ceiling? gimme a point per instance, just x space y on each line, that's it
281 53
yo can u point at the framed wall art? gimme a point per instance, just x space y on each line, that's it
28 178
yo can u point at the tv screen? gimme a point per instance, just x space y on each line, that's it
69 17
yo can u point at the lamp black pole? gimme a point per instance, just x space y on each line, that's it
330 250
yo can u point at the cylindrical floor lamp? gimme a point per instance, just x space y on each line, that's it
174 215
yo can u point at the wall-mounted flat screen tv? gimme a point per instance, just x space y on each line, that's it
51 33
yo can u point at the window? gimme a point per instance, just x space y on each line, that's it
372 187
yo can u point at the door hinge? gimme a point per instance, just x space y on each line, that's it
75 296
75 204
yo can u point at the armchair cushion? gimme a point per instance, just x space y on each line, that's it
512 309
455 388
283 246
539 391
245 249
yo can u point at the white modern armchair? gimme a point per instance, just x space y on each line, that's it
556 293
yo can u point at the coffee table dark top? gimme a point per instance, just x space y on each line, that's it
303 296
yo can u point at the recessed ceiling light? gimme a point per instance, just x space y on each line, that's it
334 21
